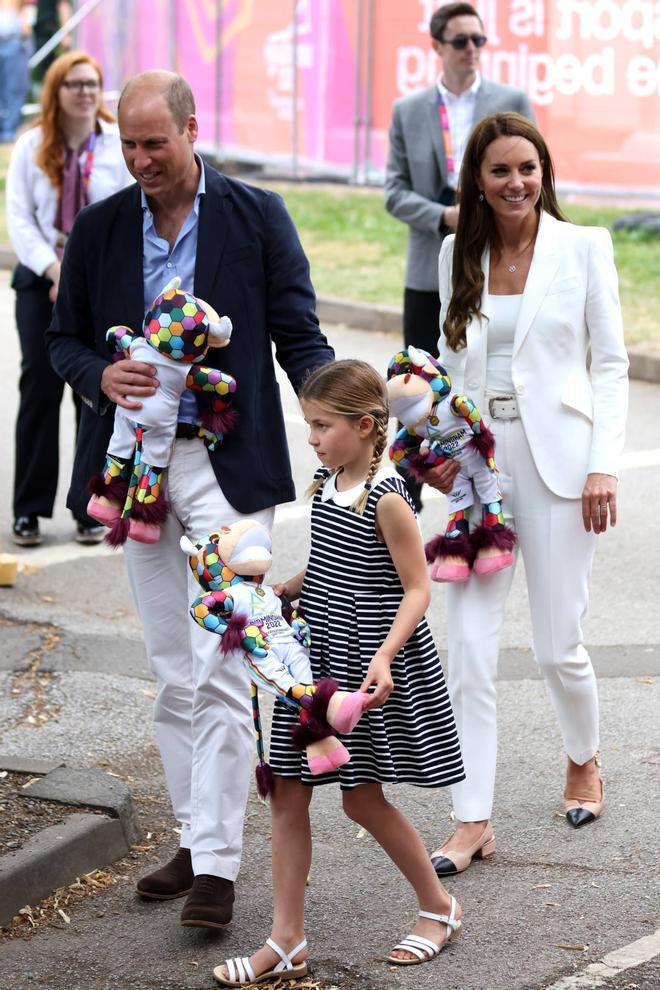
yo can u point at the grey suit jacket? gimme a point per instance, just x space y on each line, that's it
417 171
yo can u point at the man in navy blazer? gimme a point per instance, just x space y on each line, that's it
236 247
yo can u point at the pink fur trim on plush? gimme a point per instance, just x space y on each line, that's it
219 422
234 634
447 546
501 537
154 513
118 534
115 491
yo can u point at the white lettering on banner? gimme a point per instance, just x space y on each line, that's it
428 7
415 68
488 12
605 20
643 76
541 75
527 18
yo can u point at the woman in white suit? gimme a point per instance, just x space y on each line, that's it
526 298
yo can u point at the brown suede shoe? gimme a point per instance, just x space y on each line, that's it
210 902
175 879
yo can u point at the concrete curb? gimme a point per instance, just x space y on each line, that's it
56 855
644 363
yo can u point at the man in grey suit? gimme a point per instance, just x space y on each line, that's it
428 135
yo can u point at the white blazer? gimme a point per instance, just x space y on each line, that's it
32 199
573 416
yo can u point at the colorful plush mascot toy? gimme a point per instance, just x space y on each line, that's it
438 424
178 330
234 603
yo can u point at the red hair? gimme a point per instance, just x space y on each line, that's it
50 155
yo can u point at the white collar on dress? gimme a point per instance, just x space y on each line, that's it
346 498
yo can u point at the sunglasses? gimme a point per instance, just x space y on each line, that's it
461 40
78 85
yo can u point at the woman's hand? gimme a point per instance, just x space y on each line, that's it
442 476
379 673
599 498
123 377
53 273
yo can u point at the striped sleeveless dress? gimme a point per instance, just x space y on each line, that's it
350 596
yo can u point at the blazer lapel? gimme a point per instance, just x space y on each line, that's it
476 337
214 224
482 103
542 271
130 278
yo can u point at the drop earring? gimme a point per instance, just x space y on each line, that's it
481 197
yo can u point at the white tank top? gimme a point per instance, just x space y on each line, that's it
503 316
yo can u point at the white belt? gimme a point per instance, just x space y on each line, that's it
503 407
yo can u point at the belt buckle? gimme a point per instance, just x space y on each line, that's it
503 407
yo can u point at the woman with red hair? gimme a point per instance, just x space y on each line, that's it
69 158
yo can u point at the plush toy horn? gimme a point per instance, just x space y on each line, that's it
220 327
188 546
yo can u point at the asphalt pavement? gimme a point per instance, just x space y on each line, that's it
552 902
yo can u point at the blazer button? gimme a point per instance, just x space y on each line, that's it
520 389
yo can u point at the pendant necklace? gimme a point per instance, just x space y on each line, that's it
514 268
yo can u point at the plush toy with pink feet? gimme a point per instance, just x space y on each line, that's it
179 328
438 424
234 603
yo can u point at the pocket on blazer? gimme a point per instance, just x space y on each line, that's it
577 395
566 284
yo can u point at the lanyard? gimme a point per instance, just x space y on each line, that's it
446 134
86 170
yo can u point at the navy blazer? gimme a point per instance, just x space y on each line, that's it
250 266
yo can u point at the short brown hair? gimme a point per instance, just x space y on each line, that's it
443 14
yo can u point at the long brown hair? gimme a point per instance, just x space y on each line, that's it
51 152
351 388
476 227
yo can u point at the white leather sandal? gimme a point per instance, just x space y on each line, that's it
423 948
241 974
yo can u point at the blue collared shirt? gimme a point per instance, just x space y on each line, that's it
159 265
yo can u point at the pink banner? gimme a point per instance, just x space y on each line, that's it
312 82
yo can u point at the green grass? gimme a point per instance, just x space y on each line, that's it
357 251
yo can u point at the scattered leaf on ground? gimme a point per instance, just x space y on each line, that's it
575 947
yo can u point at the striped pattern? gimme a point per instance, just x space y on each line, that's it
350 597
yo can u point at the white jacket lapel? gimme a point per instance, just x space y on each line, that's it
542 271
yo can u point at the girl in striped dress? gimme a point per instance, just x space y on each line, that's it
364 593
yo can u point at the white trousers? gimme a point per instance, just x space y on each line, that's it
202 710
557 554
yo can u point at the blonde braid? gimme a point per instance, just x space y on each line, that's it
318 483
380 424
